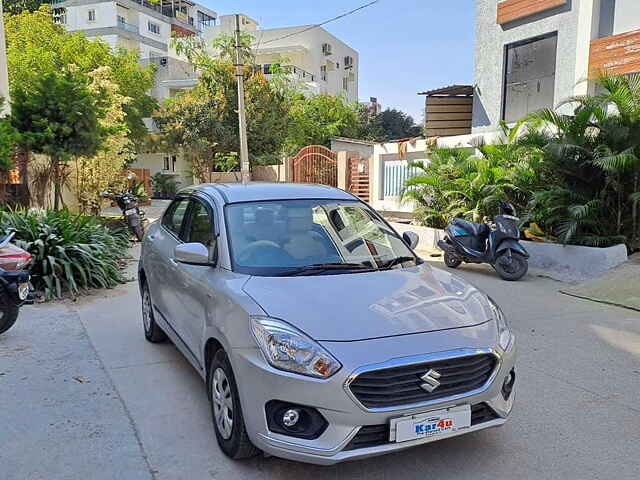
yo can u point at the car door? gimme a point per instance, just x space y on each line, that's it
162 243
196 298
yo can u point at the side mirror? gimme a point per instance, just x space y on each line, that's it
411 239
192 254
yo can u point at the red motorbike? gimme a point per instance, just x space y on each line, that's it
15 288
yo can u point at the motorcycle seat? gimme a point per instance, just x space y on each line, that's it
475 229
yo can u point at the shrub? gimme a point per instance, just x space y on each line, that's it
164 185
71 253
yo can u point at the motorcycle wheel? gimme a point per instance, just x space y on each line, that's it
451 261
511 269
8 311
138 232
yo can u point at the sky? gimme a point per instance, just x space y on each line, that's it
405 46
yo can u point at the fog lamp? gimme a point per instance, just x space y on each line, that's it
290 418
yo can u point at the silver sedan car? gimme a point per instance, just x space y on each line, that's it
321 336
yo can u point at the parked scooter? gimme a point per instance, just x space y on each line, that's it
496 244
14 282
133 216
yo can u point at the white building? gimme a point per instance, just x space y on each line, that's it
140 25
321 61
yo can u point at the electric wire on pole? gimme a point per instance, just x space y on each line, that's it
242 115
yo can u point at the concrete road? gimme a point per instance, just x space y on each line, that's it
83 395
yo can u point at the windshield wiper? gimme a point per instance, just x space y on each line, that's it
398 260
319 268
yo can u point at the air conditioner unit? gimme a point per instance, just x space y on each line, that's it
326 48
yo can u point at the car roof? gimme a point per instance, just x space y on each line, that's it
265 191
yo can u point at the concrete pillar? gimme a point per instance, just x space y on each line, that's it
587 30
343 170
285 171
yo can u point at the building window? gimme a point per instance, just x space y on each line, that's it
153 27
345 83
266 68
92 15
170 163
323 72
529 77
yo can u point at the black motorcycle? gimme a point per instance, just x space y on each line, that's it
496 244
15 289
133 216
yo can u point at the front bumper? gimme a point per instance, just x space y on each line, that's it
258 383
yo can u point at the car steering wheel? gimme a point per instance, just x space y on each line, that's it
264 253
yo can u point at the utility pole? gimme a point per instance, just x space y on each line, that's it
242 115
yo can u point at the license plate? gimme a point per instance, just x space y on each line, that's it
23 291
131 211
430 424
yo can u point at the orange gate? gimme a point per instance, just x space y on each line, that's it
358 175
315 164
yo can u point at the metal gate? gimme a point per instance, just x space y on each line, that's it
316 164
358 175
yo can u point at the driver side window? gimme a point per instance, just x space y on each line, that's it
174 216
200 226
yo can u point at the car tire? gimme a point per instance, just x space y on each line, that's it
8 311
226 412
152 332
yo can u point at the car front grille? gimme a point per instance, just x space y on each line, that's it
376 435
398 386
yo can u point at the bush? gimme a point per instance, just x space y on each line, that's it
71 253
164 186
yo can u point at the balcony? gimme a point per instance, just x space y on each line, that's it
295 72
127 27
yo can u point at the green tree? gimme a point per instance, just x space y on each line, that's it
36 46
57 115
17 6
314 120
395 124
204 121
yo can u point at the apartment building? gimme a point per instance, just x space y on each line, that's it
143 25
319 60
533 54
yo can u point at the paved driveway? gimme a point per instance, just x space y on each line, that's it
83 395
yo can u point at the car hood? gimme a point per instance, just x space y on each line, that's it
348 307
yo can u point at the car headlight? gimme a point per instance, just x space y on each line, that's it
288 349
505 337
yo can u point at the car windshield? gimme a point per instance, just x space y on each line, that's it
308 237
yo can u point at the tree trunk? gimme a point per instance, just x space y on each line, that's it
22 163
55 167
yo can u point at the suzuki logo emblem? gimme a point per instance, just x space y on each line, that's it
430 380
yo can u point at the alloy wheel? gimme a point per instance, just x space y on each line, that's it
222 403
146 310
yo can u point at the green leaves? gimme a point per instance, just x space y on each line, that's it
70 253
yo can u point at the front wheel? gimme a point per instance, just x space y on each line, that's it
451 261
134 222
8 311
228 421
138 232
511 266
